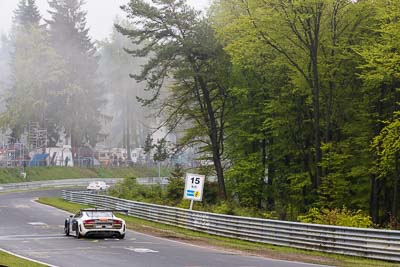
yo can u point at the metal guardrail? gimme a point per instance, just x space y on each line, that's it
153 180
78 182
55 183
368 243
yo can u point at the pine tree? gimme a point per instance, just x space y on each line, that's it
183 47
35 71
27 14
71 40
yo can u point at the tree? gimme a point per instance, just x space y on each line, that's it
5 50
298 65
115 67
161 153
70 38
27 14
387 147
148 146
36 72
185 53
381 78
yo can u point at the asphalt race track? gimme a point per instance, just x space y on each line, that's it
35 231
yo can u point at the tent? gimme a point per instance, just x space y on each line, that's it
39 160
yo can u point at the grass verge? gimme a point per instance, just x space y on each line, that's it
228 244
13 261
12 175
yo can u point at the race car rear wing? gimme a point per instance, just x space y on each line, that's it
105 210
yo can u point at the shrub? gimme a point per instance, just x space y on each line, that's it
224 208
130 189
339 217
175 189
210 193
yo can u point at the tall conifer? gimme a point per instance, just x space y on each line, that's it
27 14
71 40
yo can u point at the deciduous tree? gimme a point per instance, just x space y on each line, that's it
185 53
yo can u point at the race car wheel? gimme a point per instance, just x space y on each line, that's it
122 236
78 235
66 228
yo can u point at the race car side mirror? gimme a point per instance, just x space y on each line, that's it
70 216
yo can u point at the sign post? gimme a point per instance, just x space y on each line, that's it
194 185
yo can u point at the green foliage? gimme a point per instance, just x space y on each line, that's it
304 117
182 46
178 172
175 189
224 208
130 189
387 145
11 175
294 102
161 153
37 71
245 181
338 217
210 195
70 39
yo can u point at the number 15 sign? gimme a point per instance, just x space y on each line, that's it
194 185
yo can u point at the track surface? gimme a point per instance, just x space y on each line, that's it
35 231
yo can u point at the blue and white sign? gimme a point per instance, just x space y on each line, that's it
194 185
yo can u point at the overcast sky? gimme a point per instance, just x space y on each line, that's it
100 18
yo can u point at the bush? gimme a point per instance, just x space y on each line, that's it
130 189
175 189
210 193
123 189
338 217
223 208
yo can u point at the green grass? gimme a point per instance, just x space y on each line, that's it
13 261
12 175
252 248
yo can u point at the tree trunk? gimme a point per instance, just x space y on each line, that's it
264 173
316 113
213 134
373 206
396 190
317 135
128 131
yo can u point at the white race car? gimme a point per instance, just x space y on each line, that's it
97 185
95 222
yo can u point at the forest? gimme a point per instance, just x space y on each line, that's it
292 104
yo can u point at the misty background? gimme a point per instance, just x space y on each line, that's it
114 92
100 14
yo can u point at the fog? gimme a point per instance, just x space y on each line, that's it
74 85
100 14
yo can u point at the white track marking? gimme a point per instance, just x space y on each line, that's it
19 206
188 244
26 258
141 250
38 224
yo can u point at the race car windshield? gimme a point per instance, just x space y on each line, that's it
98 214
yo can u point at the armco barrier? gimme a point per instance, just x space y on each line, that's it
368 243
55 183
77 182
